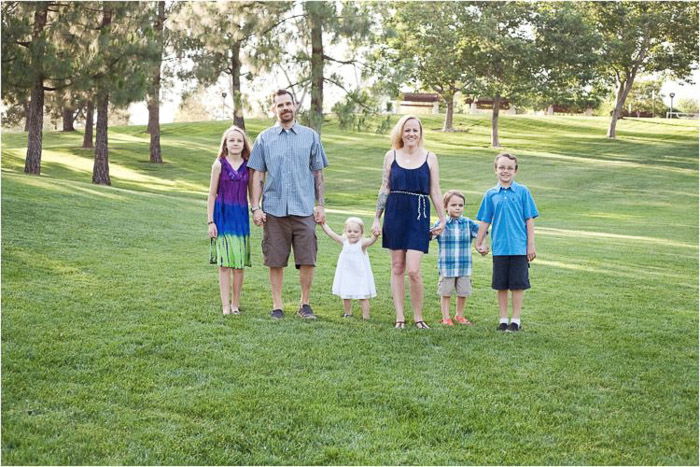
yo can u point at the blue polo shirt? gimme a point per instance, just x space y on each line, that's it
289 157
507 209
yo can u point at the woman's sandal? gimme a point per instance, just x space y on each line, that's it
422 325
226 310
347 315
400 324
235 311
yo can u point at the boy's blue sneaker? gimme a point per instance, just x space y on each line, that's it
502 327
277 314
306 312
513 327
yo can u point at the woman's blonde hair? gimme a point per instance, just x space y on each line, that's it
397 131
355 220
223 150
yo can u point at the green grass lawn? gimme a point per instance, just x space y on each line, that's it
114 350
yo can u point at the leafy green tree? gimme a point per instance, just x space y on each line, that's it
419 36
502 50
566 46
646 96
120 68
644 37
38 49
232 38
688 105
340 21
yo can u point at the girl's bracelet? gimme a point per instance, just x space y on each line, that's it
210 222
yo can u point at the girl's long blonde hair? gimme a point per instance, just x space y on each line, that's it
223 150
397 131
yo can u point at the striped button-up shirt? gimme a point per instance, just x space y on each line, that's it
289 158
455 247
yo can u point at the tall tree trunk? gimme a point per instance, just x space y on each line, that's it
154 93
100 169
32 162
449 112
25 104
154 123
316 72
236 66
68 117
89 122
622 91
494 121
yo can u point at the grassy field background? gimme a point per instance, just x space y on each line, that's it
114 350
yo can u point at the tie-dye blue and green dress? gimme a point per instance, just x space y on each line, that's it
231 247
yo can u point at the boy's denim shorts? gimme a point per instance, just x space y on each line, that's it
510 272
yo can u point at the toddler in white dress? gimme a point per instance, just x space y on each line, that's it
353 275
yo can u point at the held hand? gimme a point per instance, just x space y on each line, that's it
482 249
437 230
376 228
531 255
213 233
320 214
259 217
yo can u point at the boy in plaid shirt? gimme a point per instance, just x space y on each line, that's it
455 258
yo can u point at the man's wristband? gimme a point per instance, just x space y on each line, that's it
254 208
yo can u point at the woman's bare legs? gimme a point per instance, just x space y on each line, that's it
398 287
413 260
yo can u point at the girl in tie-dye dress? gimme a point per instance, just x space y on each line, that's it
227 216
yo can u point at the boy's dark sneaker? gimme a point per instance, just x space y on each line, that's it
277 314
306 312
513 327
502 327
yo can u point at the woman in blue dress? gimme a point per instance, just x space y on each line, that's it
410 180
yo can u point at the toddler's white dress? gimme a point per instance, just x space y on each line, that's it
353 274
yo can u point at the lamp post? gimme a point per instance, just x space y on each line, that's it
653 104
672 95
223 105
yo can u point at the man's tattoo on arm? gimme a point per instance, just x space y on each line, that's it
319 188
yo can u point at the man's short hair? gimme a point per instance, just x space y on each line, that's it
282 92
507 156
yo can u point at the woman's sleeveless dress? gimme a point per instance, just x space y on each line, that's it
231 247
353 274
407 210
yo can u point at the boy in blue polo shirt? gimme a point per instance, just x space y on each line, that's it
510 208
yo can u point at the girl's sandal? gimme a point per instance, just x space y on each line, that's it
227 309
347 315
400 324
235 311
422 325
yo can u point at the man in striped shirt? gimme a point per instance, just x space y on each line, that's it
288 161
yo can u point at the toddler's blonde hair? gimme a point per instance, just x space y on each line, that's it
355 220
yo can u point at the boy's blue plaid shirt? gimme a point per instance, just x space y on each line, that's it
455 247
